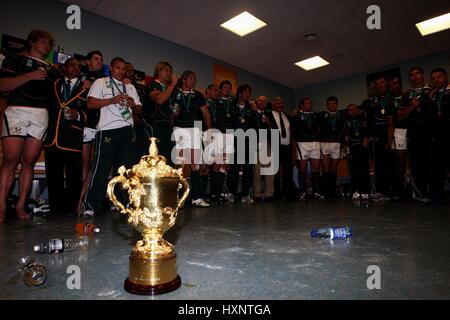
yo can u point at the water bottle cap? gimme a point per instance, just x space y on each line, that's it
96 230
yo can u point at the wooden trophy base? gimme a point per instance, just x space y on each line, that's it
147 290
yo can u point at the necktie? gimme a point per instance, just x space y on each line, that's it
283 128
67 89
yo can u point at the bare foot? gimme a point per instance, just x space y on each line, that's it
22 215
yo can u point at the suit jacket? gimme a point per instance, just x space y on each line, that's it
274 125
65 134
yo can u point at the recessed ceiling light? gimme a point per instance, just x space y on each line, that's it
310 37
434 25
243 24
312 63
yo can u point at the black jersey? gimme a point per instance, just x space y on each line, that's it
35 93
377 110
189 104
420 119
331 126
306 127
441 109
93 115
162 112
221 113
147 105
356 129
243 117
398 103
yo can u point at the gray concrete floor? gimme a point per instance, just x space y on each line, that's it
253 252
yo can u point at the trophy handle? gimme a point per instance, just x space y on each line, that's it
185 194
110 191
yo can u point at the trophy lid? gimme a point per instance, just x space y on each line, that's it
154 165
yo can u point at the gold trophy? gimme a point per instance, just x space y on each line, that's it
153 188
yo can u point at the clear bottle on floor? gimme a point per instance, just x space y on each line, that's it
333 233
86 228
61 245
33 273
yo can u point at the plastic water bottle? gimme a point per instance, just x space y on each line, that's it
333 233
33 274
61 245
86 228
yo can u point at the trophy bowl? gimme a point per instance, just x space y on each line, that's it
153 191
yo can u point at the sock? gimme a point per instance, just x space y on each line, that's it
325 184
220 182
303 186
315 177
332 183
195 185
213 183
203 185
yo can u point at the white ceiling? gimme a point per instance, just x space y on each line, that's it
271 52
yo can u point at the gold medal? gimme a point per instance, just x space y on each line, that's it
383 111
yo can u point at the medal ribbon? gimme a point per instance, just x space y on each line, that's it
188 105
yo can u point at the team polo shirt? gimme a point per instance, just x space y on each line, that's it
189 104
420 118
377 112
306 127
441 108
243 117
163 112
331 126
356 130
221 111
35 93
113 116
398 103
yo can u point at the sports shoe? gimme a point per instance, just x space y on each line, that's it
365 196
41 209
355 196
247 200
200 203
423 200
318 196
87 213
302 196
228 196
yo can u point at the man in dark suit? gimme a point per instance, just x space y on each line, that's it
283 179
64 141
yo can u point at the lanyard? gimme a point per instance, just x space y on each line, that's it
242 112
355 126
333 119
384 102
212 106
188 105
440 96
67 89
226 104
115 85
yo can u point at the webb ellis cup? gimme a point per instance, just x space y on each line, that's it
153 189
